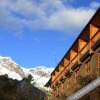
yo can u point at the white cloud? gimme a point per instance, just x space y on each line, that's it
68 19
95 4
46 14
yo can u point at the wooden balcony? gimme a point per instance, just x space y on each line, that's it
66 69
89 45
95 38
74 60
61 74
84 50
56 80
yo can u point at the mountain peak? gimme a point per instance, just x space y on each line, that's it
41 74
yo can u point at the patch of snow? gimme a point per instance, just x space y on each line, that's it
41 74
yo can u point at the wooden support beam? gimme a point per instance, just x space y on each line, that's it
93 30
82 43
61 67
73 54
91 51
54 76
66 62
79 62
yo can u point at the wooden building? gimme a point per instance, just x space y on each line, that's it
82 58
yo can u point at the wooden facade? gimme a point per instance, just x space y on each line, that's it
83 58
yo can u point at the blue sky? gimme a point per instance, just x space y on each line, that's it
39 32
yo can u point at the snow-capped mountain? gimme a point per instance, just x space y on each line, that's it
8 66
40 74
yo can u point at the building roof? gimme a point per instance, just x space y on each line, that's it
94 20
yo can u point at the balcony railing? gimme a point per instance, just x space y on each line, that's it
64 71
74 60
82 52
61 74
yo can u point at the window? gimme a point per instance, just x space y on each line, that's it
87 68
99 60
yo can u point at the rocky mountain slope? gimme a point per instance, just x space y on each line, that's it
8 66
40 74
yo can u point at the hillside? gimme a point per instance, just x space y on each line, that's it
40 74
19 90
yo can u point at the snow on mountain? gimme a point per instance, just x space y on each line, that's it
8 66
40 74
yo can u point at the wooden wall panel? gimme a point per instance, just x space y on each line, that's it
81 44
93 30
